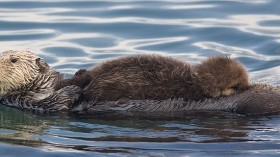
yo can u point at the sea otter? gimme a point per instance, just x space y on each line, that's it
156 77
26 81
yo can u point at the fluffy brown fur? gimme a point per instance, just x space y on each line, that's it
220 76
158 77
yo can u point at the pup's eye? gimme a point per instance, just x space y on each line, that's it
13 59
235 87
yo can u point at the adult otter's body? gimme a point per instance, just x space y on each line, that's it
26 81
157 77
259 99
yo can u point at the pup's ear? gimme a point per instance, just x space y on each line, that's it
43 66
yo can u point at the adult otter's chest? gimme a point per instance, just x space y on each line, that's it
42 86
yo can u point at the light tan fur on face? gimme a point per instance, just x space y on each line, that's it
14 75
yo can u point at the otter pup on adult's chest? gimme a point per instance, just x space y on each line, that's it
26 81
157 77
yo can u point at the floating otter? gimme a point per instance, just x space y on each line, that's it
157 77
27 82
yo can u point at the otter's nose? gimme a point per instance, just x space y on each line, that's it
228 92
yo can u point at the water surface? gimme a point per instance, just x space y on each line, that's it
76 34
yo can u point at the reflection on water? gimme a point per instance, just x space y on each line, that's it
80 33
201 133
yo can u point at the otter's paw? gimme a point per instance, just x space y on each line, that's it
69 94
121 101
81 72
62 99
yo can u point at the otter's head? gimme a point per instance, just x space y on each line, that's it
221 76
17 69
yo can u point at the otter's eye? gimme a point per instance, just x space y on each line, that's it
13 59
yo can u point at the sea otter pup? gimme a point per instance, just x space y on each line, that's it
157 77
26 81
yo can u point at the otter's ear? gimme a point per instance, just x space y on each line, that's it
43 66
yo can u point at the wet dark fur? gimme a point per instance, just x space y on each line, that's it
158 78
259 99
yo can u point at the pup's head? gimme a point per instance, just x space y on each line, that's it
221 76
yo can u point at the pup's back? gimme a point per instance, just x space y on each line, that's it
141 77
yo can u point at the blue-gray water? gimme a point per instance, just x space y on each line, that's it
81 33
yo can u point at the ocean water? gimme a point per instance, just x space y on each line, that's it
74 34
